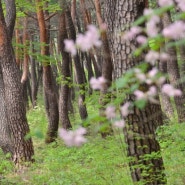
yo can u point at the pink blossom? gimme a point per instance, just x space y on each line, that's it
99 83
163 3
119 124
148 11
73 138
149 95
83 43
110 112
151 57
152 73
181 4
164 57
93 36
175 30
151 76
151 26
89 39
141 39
140 75
125 109
70 46
169 90
129 35
161 80
140 95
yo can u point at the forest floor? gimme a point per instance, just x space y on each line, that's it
98 162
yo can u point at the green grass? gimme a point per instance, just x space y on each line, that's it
98 162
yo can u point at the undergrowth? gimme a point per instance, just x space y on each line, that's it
98 162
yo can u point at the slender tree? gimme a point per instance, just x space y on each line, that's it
65 71
51 98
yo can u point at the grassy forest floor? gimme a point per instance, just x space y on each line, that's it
98 162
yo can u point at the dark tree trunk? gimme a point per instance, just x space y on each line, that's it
51 99
141 125
23 150
6 143
65 72
33 73
78 68
174 74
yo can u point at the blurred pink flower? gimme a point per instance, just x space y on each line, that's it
131 34
148 11
70 46
125 109
110 112
151 26
141 39
151 57
181 4
163 3
119 124
164 57
175 30
149 95
98 84
169 90
140 75
73 138
140 95
153 72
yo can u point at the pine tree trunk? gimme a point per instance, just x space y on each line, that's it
23 150
51 98
79 70
65 72
174 74
141 125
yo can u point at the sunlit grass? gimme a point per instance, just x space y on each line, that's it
98 162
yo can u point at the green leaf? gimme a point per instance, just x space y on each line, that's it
140 103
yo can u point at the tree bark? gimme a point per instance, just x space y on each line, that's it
78 68
141 125
23 150
174 74
65 72
51 99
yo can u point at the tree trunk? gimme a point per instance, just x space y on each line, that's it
33 73
65 72
141 125
174 74
23 150
6 143
51 99
78 68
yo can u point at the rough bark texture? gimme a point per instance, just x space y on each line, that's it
5 137
51 99
65 72
174 74
141 125
10 16
23 150
165 100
